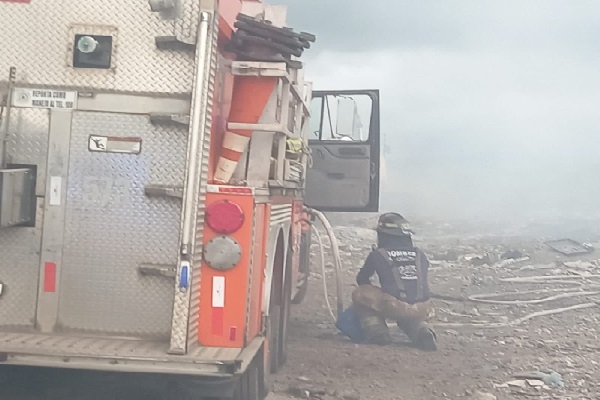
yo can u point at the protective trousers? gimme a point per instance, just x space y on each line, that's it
373 307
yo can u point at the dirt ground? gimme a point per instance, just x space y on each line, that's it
483 348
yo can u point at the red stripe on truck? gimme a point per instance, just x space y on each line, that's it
50 277
217 320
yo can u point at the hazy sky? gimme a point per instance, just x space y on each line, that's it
489 108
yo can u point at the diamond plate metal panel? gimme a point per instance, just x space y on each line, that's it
187 26
28 141
19 271
112 227
36 38
20 247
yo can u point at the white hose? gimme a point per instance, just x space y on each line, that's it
519 320
543 278
481 298
485 298
324 278
557 279
337 260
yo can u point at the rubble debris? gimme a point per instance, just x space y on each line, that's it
510 261
535 382
550 378
449 255
307 392
520 383
484 396
501 385
478 261
474 312
512 255
520 333
579 264
569 247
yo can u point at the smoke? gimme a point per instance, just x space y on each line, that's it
489 110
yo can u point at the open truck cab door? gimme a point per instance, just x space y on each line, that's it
344 139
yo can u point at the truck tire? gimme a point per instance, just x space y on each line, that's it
264 375
304 269
285 317
273 337
250 386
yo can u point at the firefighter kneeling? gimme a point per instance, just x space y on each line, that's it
404 294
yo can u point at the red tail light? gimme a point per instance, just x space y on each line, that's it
224 216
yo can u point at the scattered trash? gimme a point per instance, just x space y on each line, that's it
474 312
553 379
484 396
481 260
449 255
569 247
300 393
535 383
579 264
517 383
550 378
308 392
303 379
512 255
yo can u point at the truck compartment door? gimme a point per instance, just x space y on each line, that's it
344 140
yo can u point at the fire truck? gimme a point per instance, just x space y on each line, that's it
158 158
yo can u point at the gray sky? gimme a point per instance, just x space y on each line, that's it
489 108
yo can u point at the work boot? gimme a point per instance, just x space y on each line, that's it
376 330
427 339
374 326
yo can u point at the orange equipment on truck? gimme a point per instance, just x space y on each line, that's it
157 158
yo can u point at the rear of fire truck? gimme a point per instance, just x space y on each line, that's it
156 160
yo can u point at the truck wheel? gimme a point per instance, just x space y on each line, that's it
252 385
264 376
273 337
302 291
304 268
285 318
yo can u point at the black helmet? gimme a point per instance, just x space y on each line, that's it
393 224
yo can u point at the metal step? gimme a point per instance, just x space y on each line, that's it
169 271
116 354
173 43
168 119
164 191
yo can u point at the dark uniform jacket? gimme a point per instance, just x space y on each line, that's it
402 273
